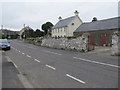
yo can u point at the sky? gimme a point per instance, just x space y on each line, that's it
35 13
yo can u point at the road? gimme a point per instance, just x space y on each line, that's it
10 74
51 68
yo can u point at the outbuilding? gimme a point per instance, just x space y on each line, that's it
100 31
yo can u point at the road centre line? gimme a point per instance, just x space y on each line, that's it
75 78
97 62
23 53
36 60
28 56
50 67
53 52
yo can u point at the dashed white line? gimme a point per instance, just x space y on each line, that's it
75 78
97 62
36 60
50 67
23 53
29 56
53 52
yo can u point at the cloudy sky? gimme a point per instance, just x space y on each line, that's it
34 14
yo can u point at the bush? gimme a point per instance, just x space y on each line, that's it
31 39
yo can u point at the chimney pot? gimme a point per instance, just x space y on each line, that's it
76 12
60 18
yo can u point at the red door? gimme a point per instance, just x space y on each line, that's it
103 39
90 42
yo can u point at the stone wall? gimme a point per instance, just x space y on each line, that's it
79 44
116 43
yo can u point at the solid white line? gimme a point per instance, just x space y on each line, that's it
36 60
97 62
75 78
50 67
3 51
9 60
15 65
28 56
53 53
24 81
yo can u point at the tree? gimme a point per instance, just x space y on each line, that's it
94 19
46 26
28 33
38 33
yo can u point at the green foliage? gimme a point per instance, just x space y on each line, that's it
46 26
38 33
28 33
15 36
94 19
31 39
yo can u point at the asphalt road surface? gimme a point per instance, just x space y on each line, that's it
10 74
51 68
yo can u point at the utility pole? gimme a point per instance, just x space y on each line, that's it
24 25
1 26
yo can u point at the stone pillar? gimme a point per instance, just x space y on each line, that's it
116 43
85 41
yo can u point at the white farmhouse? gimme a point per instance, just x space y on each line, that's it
66 27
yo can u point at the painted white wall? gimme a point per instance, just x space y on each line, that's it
67 31
71 28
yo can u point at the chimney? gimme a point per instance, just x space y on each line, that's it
76 12
60 18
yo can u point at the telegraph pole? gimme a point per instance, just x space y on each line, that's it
1 26
24 25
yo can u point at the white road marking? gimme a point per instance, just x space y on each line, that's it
24 81
97 62
23 53
53 52
3 51
9 60
19 51
29 56
36 60
75 78
50 67
15 65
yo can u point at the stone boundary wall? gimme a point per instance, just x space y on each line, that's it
79 44
116 43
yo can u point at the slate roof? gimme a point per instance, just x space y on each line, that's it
106 24
63 22
8 32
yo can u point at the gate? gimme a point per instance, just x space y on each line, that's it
91 44
103 40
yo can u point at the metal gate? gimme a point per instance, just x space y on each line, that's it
91 44
103 40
